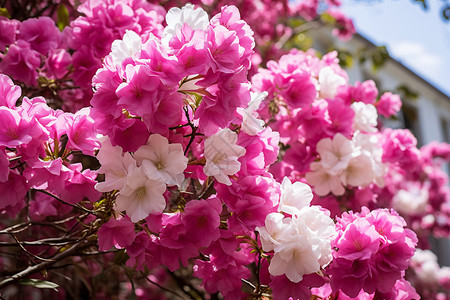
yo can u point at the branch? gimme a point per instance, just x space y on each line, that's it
44 265
164 288
64 202
297 30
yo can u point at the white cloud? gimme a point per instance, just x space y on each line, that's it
417 56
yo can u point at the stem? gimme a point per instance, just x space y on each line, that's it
28 252
44 265
193 134
258 268
62 201
164 288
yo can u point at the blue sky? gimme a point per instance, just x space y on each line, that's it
417 38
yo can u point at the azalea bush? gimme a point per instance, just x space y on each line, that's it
153 151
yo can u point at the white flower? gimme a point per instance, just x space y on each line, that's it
158 157
359 171
277 230
425 264
294 196
411 201
444 274
114 164
370 145
129 46
422 256
329 81
222 154
141 195
365 117
323 182
429 273
301 245
250 124
335 154
195 18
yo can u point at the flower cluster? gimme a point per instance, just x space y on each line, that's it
346 163
270 21
33 48
36 143
100 24
141 180
199 66
301 243
372 251
430 280
188 165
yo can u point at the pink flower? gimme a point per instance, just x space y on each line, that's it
372 251
116 232
85 65
8 28
139 94
21 63
225 267
124 128
223 49
78 185
4 165
57 64
188 46
114 164
403 290
345 28
283 288
41 33
300 92
201 219
359 241
230 18
261 151
307 8
143 252
400 147
250 199
43 206
9 93
81 133
341 118
13 193
365 91
217 110
389 104
16 129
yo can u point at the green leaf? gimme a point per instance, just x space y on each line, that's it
407 93
423 2
327 19
63 17
4 12
379 57
345 58
446 13
198 99
40 284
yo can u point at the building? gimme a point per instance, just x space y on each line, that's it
425 110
